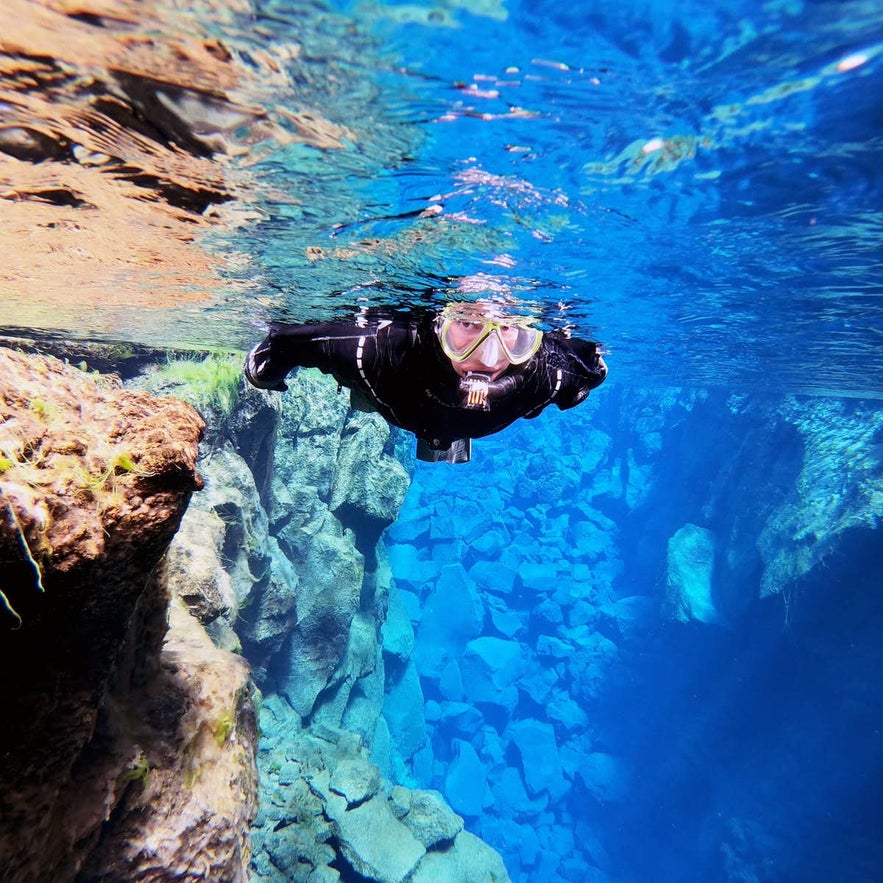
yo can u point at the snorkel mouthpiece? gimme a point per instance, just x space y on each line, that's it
474 389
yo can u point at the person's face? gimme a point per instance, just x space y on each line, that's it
489 357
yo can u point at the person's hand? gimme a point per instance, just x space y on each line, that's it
252 371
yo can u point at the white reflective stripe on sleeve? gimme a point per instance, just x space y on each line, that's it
558 383
360 349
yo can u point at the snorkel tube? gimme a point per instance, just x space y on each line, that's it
478 391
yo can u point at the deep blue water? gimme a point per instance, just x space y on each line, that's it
607 740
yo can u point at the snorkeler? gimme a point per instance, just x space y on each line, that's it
448 379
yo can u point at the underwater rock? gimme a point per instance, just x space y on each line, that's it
227 568
554 648
373 841
408 566
403 710
398 633
538 578
119 733
333 491
450 684
368 488
490 668
506 621
493 576
567 714
330 572
491 542
838 490
590 540
603 776
410 527
466 780
190 790
354 779
194 569
640 481
515 839
309 439
469 860
252 428
456 614
427 816
689 580
459 719
538 749
537 681
268 613
358 675
326 811
510 796
628 618
337 812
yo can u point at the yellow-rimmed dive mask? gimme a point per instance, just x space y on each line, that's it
461 338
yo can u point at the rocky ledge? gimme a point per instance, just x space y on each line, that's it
128 748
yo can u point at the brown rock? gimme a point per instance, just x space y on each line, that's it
123 748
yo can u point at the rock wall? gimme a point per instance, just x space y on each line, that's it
133 754
280 557
129 740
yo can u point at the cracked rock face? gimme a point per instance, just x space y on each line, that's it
128 745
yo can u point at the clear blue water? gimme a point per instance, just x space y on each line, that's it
582 729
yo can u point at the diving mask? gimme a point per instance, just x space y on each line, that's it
461 338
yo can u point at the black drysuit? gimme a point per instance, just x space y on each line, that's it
402 371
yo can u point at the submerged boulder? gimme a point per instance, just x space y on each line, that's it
456 614
466 780
469 860
328 815
538 749
330 572
689 585
368 488
427 816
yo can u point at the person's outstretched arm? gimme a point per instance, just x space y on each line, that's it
325 346
351 353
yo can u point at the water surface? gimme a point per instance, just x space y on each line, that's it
695 185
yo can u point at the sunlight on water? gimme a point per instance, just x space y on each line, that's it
697 188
